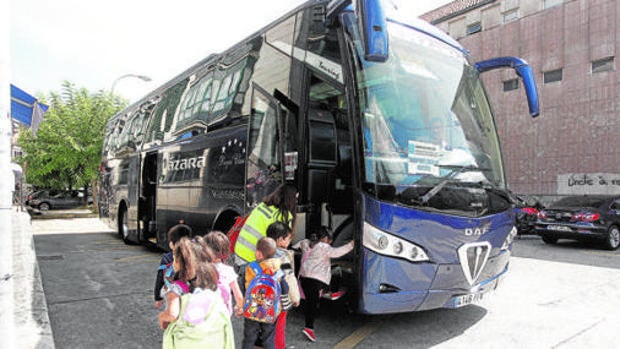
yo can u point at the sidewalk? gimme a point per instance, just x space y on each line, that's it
31 320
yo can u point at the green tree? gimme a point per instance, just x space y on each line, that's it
66 151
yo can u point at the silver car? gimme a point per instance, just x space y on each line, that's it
57 199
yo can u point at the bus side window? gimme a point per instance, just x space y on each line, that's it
164 112
263 169
291 149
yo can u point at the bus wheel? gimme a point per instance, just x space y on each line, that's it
549 240
123 226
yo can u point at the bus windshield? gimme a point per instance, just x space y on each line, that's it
429 134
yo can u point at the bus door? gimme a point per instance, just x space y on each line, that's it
148 197
272 149
329 169
263 163
127 196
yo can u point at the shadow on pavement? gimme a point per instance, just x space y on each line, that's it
100 294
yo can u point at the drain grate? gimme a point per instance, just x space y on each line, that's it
55 257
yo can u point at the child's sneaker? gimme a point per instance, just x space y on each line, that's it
337 295
334 295
309 333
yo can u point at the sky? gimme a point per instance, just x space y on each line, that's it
92 43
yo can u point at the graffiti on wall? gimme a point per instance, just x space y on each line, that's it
588 183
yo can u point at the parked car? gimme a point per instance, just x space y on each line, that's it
36 193
584 218
48 199
526 211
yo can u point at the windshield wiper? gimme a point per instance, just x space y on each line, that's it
456 170
500 192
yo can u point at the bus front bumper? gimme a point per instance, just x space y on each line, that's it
400 286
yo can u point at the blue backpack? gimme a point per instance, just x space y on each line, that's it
168 273
262 298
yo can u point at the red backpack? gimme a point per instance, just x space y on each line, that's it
233 233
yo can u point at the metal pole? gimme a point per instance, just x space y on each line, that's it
141 77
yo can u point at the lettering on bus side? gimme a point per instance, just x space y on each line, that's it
183 166
225 194
476 231
187 163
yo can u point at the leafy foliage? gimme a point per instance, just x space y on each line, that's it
66 151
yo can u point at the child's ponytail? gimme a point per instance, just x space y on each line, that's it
184 257
194 259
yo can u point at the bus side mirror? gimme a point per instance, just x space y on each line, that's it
373 29
523 70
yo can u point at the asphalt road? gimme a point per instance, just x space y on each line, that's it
99 295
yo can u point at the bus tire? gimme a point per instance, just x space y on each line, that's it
123 225
225 221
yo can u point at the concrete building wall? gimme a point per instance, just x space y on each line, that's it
574 145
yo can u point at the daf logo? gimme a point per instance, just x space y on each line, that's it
473 258
476 231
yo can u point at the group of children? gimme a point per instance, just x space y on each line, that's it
199 291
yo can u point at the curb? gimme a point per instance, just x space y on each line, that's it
32 325
61 214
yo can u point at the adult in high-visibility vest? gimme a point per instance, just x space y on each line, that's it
280 205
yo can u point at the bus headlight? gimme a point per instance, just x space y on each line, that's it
397 247
390 245
509 238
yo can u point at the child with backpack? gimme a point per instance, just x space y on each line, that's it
264 286
282 235
165 272
219 243
196 317
315 272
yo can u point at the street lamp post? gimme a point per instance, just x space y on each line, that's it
141 77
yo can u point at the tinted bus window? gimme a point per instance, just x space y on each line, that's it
164 112
211 97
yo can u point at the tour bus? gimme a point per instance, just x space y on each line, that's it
380 120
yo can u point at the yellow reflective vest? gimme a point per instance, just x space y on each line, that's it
255 227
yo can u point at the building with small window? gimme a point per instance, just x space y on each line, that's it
573 147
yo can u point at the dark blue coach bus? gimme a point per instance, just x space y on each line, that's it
380 121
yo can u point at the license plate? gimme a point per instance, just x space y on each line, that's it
467 299
558 228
